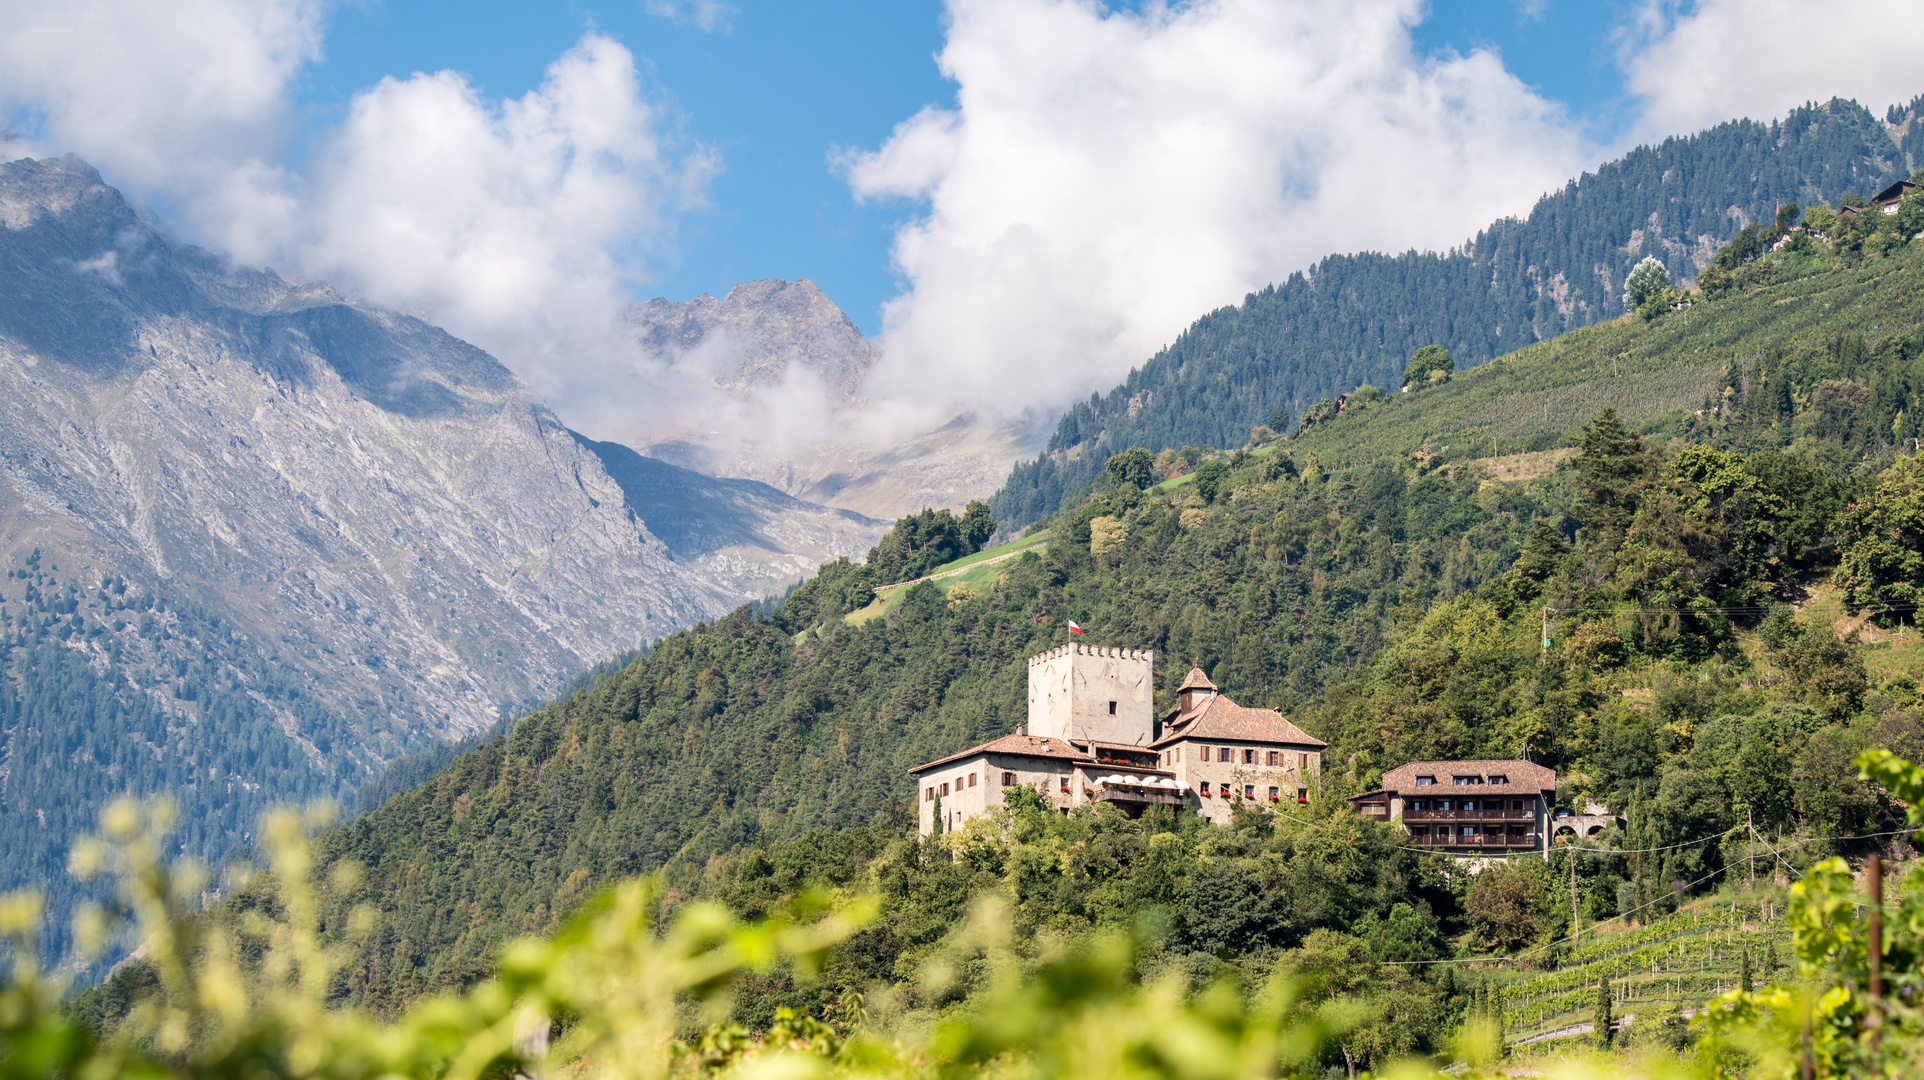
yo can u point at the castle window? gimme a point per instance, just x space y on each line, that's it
945 789
1275 758
1249 757
1223 754
1302 794
1249 791
1112 708
1275 793
1205 789
971 779
928 794
1008 779
1302 761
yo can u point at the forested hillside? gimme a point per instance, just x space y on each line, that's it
1385 590
106 689
1354 319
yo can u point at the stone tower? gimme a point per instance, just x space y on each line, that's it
1082 693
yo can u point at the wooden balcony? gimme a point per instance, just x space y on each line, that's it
1482 840
1469 815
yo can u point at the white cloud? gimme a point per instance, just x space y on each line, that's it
707 15
1106 177
167 97
515 224
1760 58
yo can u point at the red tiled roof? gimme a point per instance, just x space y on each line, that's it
1195 680
1018 745
1222 719
1524 776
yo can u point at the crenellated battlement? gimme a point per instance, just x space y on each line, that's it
1093 693
1076 648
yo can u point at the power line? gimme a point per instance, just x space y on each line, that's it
1752 609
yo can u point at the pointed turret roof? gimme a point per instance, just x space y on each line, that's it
1195 680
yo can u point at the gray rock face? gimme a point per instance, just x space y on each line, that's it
750 338
344 482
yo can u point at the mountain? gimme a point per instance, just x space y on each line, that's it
261 538
1382 580
1355 319
756 335
763 336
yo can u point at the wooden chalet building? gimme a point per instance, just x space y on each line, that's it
1467 807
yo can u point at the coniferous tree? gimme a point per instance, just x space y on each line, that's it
1603 1018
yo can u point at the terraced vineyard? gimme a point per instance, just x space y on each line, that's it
1684 959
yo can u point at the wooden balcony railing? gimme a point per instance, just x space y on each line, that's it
1469 815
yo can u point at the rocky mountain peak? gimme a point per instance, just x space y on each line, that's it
749 338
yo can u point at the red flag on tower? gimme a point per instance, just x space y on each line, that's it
1073 628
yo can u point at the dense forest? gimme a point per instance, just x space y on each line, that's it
107 689
1386 590
1355 319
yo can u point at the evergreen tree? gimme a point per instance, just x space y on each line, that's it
1613 469
1603 1018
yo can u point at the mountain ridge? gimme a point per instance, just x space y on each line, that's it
236 509
1355 319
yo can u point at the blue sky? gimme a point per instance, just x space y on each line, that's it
780 85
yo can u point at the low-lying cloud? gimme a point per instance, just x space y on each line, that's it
518 224
1106 176
1726 59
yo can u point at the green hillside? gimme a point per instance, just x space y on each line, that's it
1389 600
1354 319
107 688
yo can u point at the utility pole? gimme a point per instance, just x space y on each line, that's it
1750 823
1576 927
1876 1019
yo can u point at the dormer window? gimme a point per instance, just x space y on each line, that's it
1465 781
1499 778
1425 781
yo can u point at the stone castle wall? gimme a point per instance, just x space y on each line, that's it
1087 693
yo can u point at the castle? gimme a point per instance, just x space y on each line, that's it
1093 736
